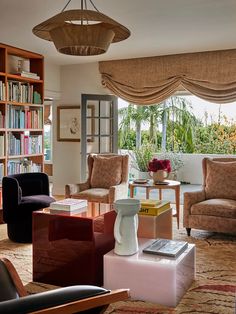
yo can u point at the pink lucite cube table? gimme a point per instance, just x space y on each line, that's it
151 277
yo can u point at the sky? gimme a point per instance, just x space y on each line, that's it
199 106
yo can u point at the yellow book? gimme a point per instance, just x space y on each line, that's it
149 203
156 210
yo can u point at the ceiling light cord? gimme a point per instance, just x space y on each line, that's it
93 5
82 4
65 6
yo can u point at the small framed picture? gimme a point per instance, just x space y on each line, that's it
68 123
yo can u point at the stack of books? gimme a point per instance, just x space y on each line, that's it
153 207
29 74
69 205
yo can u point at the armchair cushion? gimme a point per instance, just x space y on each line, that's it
106 171
98 195
215 207
35 202
220 179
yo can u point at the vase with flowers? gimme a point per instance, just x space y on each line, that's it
159 169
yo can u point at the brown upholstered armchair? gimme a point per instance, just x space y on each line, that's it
107 179
214 207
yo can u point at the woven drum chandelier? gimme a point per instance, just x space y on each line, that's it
81 32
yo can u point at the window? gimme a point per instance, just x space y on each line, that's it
183 123
48 130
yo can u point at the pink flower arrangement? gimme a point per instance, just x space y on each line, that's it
159 164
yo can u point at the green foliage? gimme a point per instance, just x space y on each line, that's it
140 157
126 141
216 139
184 132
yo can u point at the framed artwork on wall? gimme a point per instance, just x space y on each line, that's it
68 123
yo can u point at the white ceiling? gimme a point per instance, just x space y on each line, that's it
158 27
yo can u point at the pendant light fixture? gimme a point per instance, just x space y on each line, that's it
81 32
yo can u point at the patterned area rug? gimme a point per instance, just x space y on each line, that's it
213 291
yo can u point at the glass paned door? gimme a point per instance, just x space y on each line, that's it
99 126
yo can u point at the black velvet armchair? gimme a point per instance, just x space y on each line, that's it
22 194
73 299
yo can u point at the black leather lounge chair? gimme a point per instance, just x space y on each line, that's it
73 299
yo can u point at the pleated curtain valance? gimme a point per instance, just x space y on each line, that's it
209 75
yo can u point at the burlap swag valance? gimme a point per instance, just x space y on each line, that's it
208 75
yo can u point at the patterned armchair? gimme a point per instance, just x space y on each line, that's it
214 207
107 179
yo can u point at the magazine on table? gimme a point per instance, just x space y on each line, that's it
165 247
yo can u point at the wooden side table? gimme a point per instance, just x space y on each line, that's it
173 185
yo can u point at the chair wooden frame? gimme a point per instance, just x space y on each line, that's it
102 300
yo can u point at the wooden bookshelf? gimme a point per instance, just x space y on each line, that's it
21 111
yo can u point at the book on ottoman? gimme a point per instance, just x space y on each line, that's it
164 247
68 204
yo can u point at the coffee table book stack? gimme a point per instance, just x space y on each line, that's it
153 207
168 248
69 205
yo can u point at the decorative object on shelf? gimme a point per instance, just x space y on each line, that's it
68 123
126 226
159 169
81 32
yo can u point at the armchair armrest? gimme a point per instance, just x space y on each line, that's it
191 198
118 191
11 196
45 302
74 188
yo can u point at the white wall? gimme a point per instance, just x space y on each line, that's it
75 80
192 170
52 79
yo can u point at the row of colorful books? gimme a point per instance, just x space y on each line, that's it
22 166
24 118
22 144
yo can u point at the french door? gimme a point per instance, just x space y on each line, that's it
99 126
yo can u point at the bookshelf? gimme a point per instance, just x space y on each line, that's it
21 111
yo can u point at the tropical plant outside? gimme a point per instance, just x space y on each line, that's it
141 156
172 127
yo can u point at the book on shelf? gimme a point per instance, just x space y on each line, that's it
68 204
165 247
35 77
155 210
29 75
